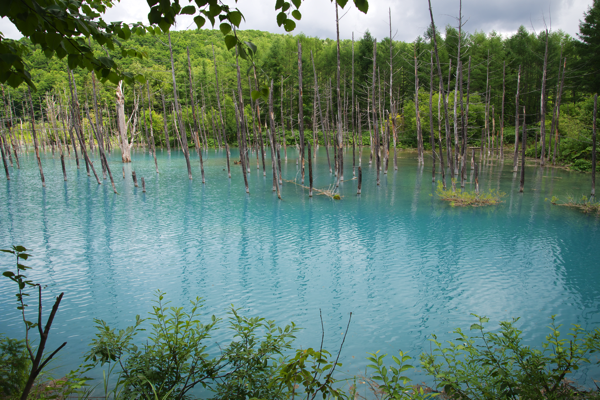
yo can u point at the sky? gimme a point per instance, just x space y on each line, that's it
410 18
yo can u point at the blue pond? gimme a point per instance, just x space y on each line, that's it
403 262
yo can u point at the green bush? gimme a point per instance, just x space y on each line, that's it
14 366
489 365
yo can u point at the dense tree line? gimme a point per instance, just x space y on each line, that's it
493 60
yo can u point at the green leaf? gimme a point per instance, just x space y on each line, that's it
225 28
281 18
342 3
8 274
236 18
252 47
279 4
476 327
362 5
7 251
200 21
289 25
230 41
296 3
286 6
188 10
20 248
296 14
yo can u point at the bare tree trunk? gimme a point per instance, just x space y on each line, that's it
524 147
76 116
353 120
243 149
162 95
272 139
487 104
340 151
183 133
377 160
593 195
318 99
300 110
502 117
465 118
152 143
9 117
52 117
417 113
123 142
35 141
557 138
448 133
195 131
432 134
442 165
543 105
310 172
515 159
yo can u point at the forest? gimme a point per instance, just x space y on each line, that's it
492 72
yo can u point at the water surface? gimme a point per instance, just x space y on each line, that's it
403 262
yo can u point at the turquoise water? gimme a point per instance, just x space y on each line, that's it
404 263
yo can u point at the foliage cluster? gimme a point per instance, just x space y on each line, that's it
466 198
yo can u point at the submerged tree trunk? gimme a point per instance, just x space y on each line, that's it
516 154
183 134
122 129
543 105
35 141
340 150
195 131
593 195
502 117
300 110
377 158
524 147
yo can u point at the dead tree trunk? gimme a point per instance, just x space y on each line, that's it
593 195
323 127
560 90
432 135
195 132
352 115
516 154
377 160
35 141
300 110
502 115
9 118
167 139
184 144
152 143
123 141
340 151
217 91
76 116
524 147
417 113
272 140
52 117
310 172
243 150
543 105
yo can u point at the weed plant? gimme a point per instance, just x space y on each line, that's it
469 198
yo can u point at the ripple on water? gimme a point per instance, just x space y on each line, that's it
405 264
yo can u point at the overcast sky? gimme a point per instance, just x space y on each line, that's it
409 17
